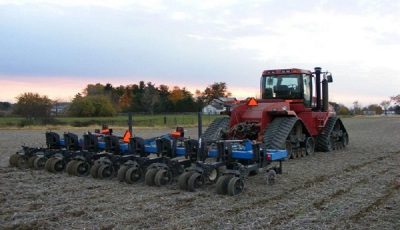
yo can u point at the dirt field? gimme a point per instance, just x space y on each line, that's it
357 188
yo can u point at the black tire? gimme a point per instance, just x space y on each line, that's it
31 160
48 164
271 177
121 173
235 186
195 181
39 162
81 168
310 146
22 163
105 171
132 175
14 160
57 165
222 184
70 166
162 177
94 170
183 180
149 177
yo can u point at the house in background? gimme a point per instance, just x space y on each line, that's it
60 108
219 105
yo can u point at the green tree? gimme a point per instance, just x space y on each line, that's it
33 105
91 106
216 90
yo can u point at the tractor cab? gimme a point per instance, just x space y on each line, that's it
295 84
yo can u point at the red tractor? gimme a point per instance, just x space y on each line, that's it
288 115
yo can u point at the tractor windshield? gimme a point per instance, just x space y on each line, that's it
282 86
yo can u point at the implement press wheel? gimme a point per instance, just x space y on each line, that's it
80 168
70 166
14 160
94 169
57 165
31 160
105 171
122 172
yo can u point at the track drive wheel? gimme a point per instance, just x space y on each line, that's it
235 186
183 180
31 160
163 177
149 177
105 171
195 181
133 175
70 166
39 162
14 160
290 151
80 168
121 173
222 184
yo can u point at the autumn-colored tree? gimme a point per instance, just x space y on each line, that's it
216 90
33 105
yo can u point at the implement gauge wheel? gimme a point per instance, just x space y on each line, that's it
14 160
149 177
163 177
22 163
70 166
235 186
94 169
31 160
195 181
48 163
39 162
57 165
222 184
133 175
80 168
183 180
121 173
105 171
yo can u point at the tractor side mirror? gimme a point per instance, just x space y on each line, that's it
329 78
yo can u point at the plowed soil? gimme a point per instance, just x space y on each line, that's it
354 188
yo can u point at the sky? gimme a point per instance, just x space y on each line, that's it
57 47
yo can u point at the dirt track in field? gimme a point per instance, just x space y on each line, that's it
356 188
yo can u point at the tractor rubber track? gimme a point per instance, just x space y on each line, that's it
277 132
213 130
323 140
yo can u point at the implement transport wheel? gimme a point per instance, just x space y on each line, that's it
163 177
80 168
39 162
222 184
271 177
235 186
195 181
70 166
14 160
31 160
22 163
94 169
183 180
105 171
57 165
121 173
133 175
149 177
